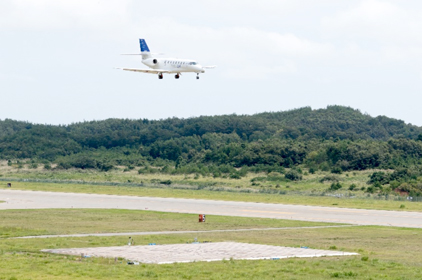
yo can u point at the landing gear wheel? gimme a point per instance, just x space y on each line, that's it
177 76
160 76
197 76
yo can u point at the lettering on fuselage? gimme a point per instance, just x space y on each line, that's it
172 65
175 62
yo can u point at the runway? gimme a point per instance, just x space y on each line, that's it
16 199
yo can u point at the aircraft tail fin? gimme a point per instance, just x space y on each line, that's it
144 49
144 46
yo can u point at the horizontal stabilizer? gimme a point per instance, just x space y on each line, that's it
142 53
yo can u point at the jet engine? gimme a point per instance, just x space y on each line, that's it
150 62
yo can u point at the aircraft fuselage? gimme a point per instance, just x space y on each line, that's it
174 65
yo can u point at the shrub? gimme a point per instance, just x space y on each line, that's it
274 174
370 189
259 179
377 185
378 177
344 165
143 170
335 186
336 170
394 185
105 166
343 274
235 176
147 170
64 165
330 178
352 187
324 166
293 175
216 174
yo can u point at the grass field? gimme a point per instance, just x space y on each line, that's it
385 253
68 221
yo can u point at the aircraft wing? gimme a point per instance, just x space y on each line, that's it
150 71
209 67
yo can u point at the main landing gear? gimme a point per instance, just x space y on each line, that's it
160 76
177 76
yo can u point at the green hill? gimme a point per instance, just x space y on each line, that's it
335 137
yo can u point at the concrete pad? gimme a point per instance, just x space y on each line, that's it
161 254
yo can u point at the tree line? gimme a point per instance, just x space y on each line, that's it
336 138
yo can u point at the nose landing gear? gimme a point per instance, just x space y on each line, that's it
160 76
197 76
177 76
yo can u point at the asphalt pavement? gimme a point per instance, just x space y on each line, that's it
17 199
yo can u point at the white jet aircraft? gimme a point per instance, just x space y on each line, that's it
166 65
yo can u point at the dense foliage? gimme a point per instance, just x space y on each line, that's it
336 138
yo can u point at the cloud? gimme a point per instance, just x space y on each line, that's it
241 51
264 7
259 72
377 33
375 20
52 14
405 55
16 78
367 18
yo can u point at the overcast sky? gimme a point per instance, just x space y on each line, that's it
57 58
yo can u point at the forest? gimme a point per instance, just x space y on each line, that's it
335 139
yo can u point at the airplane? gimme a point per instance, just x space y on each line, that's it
162 66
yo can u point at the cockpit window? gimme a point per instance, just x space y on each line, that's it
192 63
